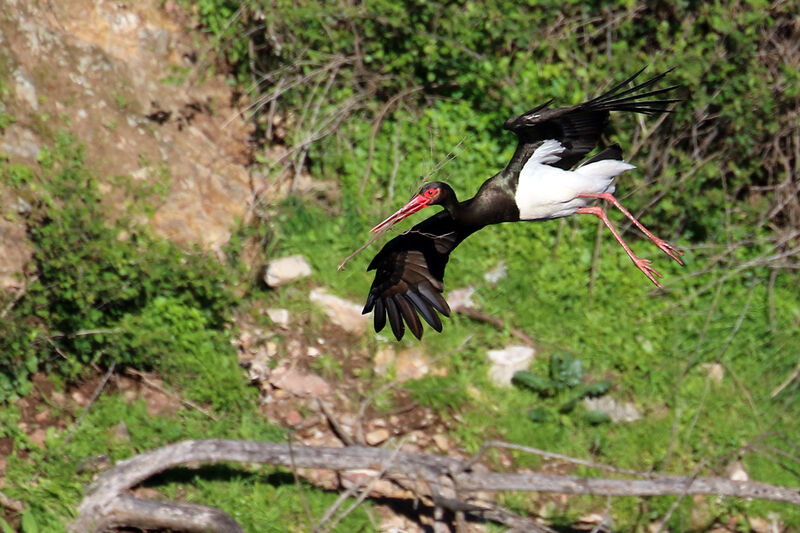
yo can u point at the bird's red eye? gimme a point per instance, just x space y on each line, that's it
430 193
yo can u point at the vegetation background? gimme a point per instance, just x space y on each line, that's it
378 97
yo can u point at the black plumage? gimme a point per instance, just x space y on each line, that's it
409 277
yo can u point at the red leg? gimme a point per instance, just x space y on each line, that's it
641 264
665 247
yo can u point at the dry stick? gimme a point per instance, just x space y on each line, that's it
376 127
337 428
364 493
297 483
598 242
95 395
786 383
188 403
105 497
552 455
479 316
358 251
22 292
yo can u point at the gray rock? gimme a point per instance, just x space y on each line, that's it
497 273
507 361
461 299
345 314
282 271
299 383
279 317
618 411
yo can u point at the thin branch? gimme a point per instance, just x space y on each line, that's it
153 385
376 126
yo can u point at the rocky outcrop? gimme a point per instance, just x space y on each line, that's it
140 92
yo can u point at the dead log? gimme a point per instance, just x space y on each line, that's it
447 482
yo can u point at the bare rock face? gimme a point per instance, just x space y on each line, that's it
286 269
345 314
121 77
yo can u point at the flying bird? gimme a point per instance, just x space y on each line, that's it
546 178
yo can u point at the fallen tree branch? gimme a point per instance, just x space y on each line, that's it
450 481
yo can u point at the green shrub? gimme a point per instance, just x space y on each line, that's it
106 291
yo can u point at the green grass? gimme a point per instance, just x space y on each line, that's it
50 480
652 345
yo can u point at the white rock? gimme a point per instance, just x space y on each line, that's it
618 411
25 88
461 298
279 317
736 472
299 383
412 363
286 269
377 436
345 314
497 273
507 361
716 372
384 359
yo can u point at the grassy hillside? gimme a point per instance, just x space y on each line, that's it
377 98
383 96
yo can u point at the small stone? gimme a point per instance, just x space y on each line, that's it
38 436
300 384
79 398
120 432
377 436
43 415
441 442
279 317
497 273
411 364
312 351
507 361
58 398
618 411
461 299
736 472
384 359
345 314
716 372
286 269
294 418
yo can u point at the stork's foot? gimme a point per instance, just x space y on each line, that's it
650 272
668 249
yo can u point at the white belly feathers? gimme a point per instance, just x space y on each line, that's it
544 191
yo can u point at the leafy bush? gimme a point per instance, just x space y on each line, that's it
565 381
329 65
105 291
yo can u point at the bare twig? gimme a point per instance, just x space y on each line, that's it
794 375
358 251
17 297
497 322
376 126
153 385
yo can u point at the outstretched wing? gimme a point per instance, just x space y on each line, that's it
409 277
578 128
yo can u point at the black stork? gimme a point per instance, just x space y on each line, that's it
545 179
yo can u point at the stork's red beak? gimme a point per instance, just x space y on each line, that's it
413 205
